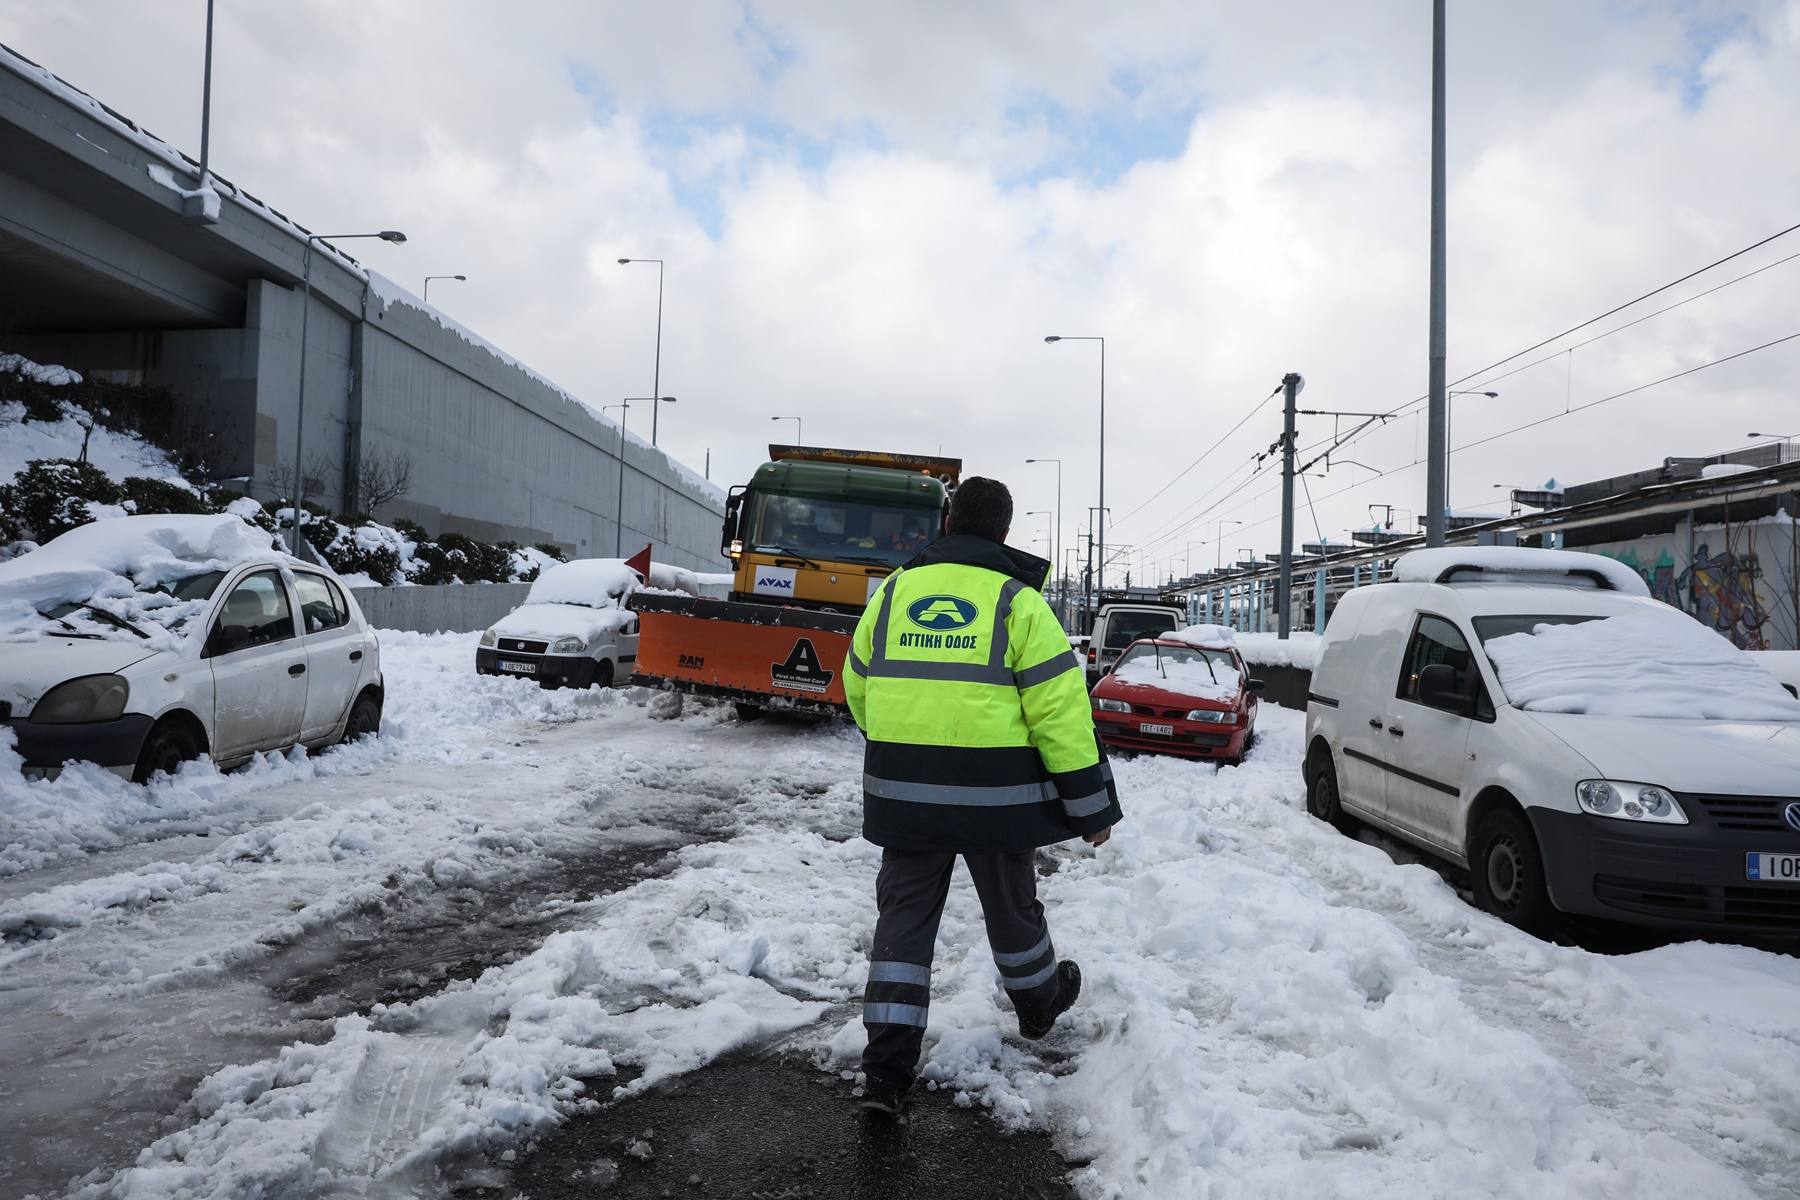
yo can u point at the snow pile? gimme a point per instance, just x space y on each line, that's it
116 564
665 578
1647 664
1301 650
1203 635
534 619
1720 470
24 368
1514 563
594 582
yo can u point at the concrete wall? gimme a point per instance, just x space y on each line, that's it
444 608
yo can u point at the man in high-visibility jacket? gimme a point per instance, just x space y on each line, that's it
980 743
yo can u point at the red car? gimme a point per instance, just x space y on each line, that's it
1172 696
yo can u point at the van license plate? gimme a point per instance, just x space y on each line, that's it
1784 868
519 668
1165 730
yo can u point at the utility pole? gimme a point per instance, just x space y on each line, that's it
1284 591
1436 456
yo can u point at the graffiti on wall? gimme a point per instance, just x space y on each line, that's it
1724 591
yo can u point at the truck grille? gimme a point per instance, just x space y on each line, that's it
523 646
1754 814
1769 907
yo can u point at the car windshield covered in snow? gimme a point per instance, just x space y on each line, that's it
185 598
839 530
1654 662
587 582
1187 669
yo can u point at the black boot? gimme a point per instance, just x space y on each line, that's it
884 1101
1068 976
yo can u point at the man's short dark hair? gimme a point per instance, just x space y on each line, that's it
981 508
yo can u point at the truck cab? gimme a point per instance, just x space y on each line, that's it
821 528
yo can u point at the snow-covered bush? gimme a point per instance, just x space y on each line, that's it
148 496
52 496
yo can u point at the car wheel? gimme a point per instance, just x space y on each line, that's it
603 673
1508 872
170 744
748 712
1322 799
364 720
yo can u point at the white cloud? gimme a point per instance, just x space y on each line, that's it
871 217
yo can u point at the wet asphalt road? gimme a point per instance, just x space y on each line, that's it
775 1127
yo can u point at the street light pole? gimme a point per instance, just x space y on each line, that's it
1291 384
1219 545
655 402
799 438
1064 594
295 539
427 296
1100 580
1437 436
206 103
656 383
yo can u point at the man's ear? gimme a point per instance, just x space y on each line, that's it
946 523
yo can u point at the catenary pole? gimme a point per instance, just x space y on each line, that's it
206 101
1284 596
1435 449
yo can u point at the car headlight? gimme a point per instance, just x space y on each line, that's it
1213 715
89 698
568 645
1629 801
1106 705
489 640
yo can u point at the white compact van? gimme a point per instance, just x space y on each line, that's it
1535 716
1118 624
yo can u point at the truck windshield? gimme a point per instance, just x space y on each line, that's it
837 530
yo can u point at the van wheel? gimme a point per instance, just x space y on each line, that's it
364 720
603 673
1508 872
169 745
1322 799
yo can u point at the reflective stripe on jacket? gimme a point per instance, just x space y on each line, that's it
980 738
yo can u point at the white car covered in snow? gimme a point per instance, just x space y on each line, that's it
574 629
141 642
1536 716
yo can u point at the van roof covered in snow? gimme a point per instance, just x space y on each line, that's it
1519 564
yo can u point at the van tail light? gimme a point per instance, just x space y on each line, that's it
1091 653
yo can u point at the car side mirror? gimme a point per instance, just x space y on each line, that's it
1438 689
225 639
1255 685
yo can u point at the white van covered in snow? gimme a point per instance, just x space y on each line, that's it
1536 716
574 629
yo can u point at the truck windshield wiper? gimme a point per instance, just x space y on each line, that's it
783 551
862 558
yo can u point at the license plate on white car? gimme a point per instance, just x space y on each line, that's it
1165 730
1784 868
520 668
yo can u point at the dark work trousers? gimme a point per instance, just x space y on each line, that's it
910 892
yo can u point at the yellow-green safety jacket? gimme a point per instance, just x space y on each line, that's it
980 738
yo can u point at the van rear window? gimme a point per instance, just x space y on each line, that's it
1124 628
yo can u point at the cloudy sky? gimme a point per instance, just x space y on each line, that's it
872 215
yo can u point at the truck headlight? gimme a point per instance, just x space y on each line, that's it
1629 801
568 645
489 640
1106 705
89 698
1213 715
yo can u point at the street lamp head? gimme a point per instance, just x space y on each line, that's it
391 235
460 278
1053 338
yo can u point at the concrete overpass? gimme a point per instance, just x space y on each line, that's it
116 261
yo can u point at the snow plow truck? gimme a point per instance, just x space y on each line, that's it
810 538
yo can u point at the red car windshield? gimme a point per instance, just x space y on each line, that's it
1189 670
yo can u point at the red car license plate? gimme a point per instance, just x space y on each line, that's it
1164 730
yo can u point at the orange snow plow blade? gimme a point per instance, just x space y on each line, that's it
763 654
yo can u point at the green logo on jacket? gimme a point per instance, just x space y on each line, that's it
941 612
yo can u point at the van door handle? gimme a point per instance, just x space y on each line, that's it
297 669
1396 731
356 656
1374 722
